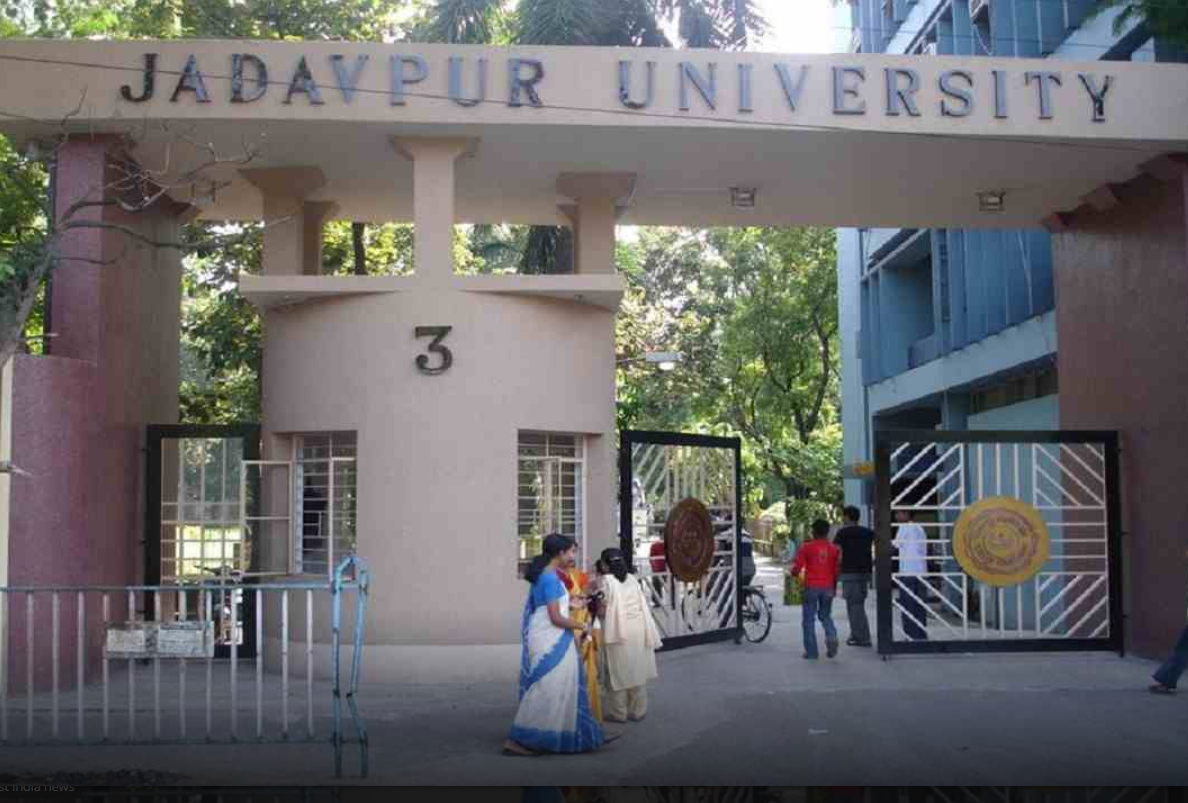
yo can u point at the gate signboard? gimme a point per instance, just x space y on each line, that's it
160 640
998 541
690 488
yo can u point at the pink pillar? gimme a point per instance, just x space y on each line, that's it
79 415
82 173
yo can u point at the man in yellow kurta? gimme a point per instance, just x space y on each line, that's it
631 640
577 583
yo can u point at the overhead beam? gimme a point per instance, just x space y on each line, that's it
1103 199
1168 167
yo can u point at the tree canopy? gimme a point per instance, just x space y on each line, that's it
359 20
1165 19
753 314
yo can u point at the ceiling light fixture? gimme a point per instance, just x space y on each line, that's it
992 201
743 197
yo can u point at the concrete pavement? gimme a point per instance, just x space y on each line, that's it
748 714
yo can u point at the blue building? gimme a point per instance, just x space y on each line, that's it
956 329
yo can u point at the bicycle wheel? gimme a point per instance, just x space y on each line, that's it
756 615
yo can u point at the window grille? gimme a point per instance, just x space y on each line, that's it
325 491
551 489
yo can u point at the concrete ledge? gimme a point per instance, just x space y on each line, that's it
269 292
603 290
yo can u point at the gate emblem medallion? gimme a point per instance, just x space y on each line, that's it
689 540
1001 541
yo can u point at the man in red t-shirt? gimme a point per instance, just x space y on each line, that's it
821 563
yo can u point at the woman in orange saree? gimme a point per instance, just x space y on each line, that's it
577 583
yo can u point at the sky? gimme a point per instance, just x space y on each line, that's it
805 26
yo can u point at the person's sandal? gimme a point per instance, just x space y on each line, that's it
1159 688
513 748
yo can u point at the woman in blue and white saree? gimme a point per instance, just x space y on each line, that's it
554 714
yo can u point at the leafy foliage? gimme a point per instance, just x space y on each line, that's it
753 313
460 22
221 332
561 22
365 20
1166 19
23 219
389 249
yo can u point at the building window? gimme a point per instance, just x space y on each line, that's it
326 498
551 495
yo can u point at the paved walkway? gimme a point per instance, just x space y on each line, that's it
747 714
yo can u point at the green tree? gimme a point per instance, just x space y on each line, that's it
221 332
24 214
753 313
461 22
1165 19
778 356
360 20
387 249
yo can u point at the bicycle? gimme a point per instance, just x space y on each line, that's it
756 615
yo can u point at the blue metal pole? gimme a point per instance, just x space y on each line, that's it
336 624
363 578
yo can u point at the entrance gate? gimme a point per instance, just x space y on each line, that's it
658 471
194 528
990 503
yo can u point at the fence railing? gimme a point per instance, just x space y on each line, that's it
137 665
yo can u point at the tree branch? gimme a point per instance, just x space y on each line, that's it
133 234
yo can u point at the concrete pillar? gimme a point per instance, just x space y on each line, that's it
314 215
597 197
955 412
434 213
289 248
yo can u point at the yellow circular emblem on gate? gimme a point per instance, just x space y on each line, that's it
1001 541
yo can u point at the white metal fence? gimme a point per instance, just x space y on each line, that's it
95 665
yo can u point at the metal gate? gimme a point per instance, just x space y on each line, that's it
934 594
657 470
194 520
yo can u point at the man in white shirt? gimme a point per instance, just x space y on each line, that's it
911 542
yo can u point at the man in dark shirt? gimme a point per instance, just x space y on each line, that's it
857 543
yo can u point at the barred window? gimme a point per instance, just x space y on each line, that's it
551 489
326 500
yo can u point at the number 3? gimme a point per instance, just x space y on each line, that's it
438 333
